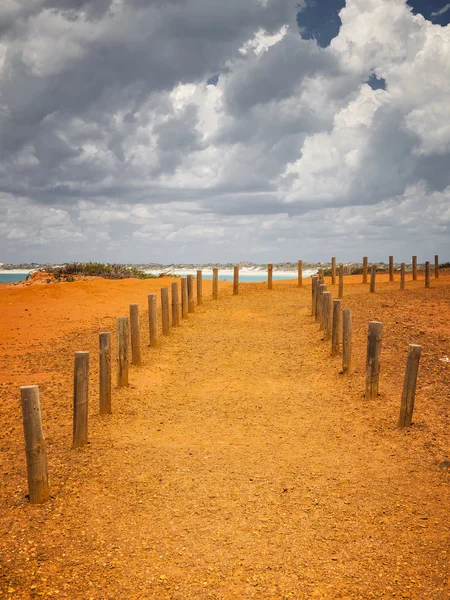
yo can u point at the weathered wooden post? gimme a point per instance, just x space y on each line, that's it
321 274
123 334
427 274
373 359
175 305
215 284
402 276
184 298
314 281
341 282
326 299
317 300
236 280
300 273
105 373
269 276
409 386
335 337
136 358
190 288
436 266
414 268
322 289
199 287
333 270
365 263
153 319
80 399
346 341
391 268
165 315
373 274
36 455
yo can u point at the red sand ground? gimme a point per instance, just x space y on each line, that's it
239 463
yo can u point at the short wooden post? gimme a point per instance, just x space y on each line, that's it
346 341
199 287
300 273
414 268
175 305
373 359
341 282
335 337
38 488
326 299
165 315
333 270
105 373
373 274
80 399
215 284
136 358
190 288
184 298
436 266
322 289
314 281
153 319
269 276
427 274
365 264
402 276
123 333
391 268
409 386
236 280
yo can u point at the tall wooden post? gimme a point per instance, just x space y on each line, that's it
175 305
269 276
409 386
333 270
136 358
153 319
341 281
317 300
199 287
365 264
373 359
36 455
215 284
190 288
322 289
326 299
300 273
123 334
321 274
373 274
436 266
105 373
346 341
427 274
314 281
165 314
335 337
184 298
236 280
414 268
80 399
391 268
402 276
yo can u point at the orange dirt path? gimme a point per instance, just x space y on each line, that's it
239 463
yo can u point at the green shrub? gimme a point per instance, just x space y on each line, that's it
108 271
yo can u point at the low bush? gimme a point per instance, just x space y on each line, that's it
108 271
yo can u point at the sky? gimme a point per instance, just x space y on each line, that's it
178 131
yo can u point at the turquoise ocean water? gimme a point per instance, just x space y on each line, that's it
11 277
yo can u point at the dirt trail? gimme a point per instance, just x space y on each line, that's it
241 464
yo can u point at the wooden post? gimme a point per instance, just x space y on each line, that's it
105 373
122 351
436 266
136 358
236 280
175 305
314 281
346 341
165 315
269 276
36 455
190 288
373 359
333 270
317 300
365 263
215 284
427 274
341 281
414 268
402 276
409 386
153 319
184 298
80 399
322 289
321 274
300 273
391 268
199 287
373 274
326 299
335 337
